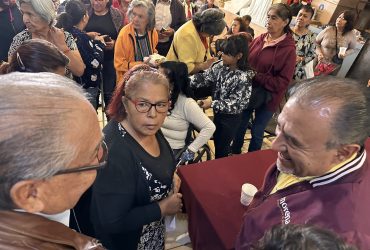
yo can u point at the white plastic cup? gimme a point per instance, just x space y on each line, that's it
342 50
247 194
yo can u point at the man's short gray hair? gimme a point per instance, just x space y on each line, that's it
36 110
44 8
349 99
149 6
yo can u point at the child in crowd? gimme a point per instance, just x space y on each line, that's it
248 19
231 82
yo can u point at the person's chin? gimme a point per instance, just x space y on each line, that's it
284 168
150 130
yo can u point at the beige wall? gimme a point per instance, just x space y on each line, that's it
324 16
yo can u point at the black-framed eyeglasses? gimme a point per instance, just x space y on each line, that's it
102 157
144 106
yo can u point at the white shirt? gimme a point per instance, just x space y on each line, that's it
62 217
175 126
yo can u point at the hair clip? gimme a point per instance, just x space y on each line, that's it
20 63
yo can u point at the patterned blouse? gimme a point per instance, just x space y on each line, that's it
93 56
152 234
305 47
25 35
231 89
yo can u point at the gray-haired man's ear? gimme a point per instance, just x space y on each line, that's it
346 151
25 195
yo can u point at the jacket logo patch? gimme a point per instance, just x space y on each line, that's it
285 218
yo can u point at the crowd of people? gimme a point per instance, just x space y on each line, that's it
157 66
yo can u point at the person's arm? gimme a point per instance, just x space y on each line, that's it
186 47
311 53
91 51
240 97
195 115
17 41
275 83
203 65
319 39
205 79
65 43
351 44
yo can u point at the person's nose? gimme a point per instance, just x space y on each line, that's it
135 18
26 19
278 144
152 112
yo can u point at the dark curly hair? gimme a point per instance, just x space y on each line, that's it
177 74
350 17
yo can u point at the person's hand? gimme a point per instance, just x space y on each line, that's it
171 205
187 155
368 83
206 104
299 59
320 56
161 36
176 183
207 64
341 56
168 32
56 36
93 34
101 39
110 44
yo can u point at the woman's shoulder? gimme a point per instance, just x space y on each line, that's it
115 12
189 102
186 29
70 41
127 30
329 29
311 34
23 35
18 40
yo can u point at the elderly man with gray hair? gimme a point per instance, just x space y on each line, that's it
51 147
322 173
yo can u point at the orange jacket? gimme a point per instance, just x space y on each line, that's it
124 51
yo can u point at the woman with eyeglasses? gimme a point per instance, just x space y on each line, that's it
137 189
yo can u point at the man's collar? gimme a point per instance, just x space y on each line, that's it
348 167
62 217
